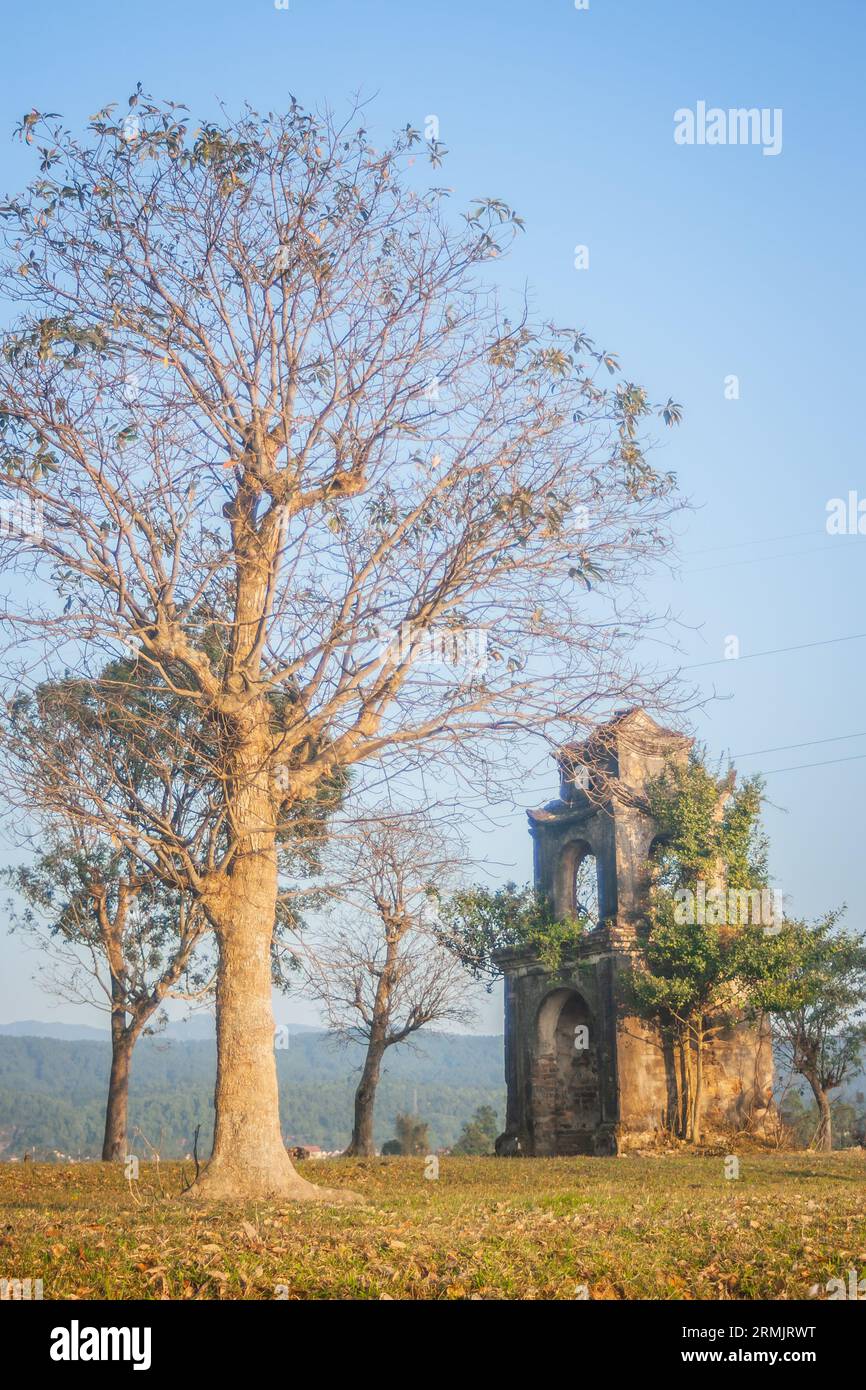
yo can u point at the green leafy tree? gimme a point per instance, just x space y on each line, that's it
709 828
116 939
689 979
118 932
476 923
478 1135
689 974
115 933
412 1135
811 979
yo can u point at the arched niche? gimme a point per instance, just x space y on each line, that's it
567 1102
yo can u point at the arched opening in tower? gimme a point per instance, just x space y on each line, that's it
584 891
566 1101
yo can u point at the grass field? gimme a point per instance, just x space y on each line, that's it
670 1227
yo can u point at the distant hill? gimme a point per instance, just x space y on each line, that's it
52 1090
199 1026
34 1028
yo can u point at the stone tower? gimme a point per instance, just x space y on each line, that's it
583 1076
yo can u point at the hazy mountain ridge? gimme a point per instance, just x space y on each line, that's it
198 1026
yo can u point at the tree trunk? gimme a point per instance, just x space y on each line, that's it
114 1144
698 1104
685 1085
823 1140
249 1159
361 1143
365 1097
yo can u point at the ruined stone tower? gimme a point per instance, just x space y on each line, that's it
583 1076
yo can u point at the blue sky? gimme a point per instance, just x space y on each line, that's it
704 262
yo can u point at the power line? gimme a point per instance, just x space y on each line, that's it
759 559
786 747
772 651
758 540
856 757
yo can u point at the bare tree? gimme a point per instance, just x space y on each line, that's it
378 966
280 440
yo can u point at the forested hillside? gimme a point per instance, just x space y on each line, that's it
52 1092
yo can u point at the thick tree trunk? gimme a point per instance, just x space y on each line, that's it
823 1140
114 1144
361 1143
249 1159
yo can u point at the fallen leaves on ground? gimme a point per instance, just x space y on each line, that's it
487 1229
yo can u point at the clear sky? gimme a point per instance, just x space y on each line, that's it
705 262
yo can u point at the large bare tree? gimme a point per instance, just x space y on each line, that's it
283 442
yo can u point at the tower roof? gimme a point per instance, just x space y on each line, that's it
631 729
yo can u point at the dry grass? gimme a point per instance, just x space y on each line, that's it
669 1227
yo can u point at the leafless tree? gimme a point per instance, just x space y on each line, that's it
377 965
286 458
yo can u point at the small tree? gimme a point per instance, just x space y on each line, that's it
811 979
117 939
689 976
118 934
412 1135
378 966
478 1135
